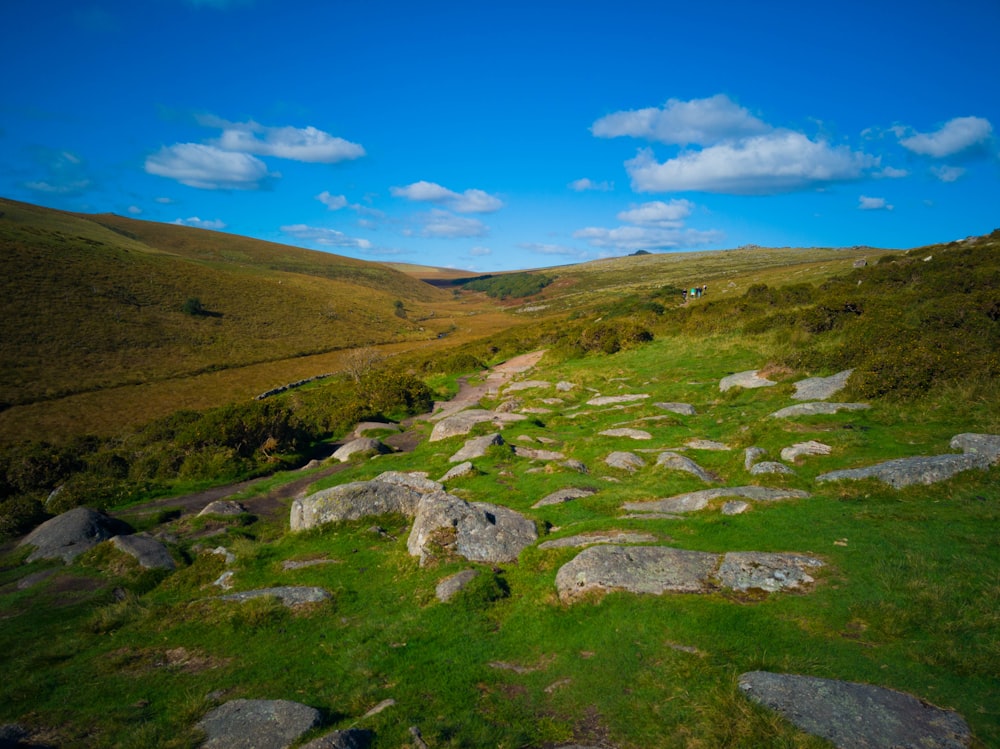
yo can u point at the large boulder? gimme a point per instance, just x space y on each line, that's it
857 716
478 531
257 724
360 446
906 471
625 461
68 535
463 422
389 492
636 569
149 552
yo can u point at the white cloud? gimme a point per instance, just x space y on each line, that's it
165 201
955 136
866 203
658 213
207 167
298 144
214 224
777 162
325 237
700 121
631 238
891 173
65 173
542 248
444 225
584 184
332 202
470 201
135 210
480 251
947 173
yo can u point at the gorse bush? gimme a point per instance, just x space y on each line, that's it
510 285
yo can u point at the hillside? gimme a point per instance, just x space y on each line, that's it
94 302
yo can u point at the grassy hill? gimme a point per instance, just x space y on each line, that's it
95 302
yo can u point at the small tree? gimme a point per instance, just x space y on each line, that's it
193 307
400 309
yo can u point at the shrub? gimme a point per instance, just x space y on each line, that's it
193 307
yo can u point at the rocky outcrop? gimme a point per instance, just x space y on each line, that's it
564 495
699 500
625 461
526 385
599 537
454 584
700 444
360 446
857 716
223 507
770 466
146 550
800 449
751 455
746 570
608 400
684 409
634 434
462 469
476 448
289 595
389 492
477 531
68 535
351 738
674 462
254 724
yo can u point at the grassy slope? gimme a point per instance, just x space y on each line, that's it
95 302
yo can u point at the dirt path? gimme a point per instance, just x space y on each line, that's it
275 502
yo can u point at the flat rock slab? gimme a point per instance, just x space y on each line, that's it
608 400
857 716
464 421
735 507
526 385
68 535
986 445
700 444
360 446
391 491
257 724
748 380
625 461
770 572
820 408
146 550
290 595
564 495
821 388
684 409
800 449
751 455
532 453
592 539
636 569
770 466
694 501
907 471
462 469
476 448
635 434
674 462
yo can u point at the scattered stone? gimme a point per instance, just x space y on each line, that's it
68 535
478 531
743 570
292 564
635 434
857 716
383 705
533 454
800 449
694 501
225 580
225 553
821 388
625 461
464 421
418 739
290 595
607 400
553 401
735 507
564 387
986 445
636 569
252 724
817 409
558 684
547 440
527 385
476 447
352 738
223 507
564 495
360 446
674 462
770 466
700 444
453 584
751 455
525 438
389 492
509 406
598 537
748 380
684 409
150 553
462 469
574 465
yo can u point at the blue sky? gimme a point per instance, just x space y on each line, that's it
495 136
